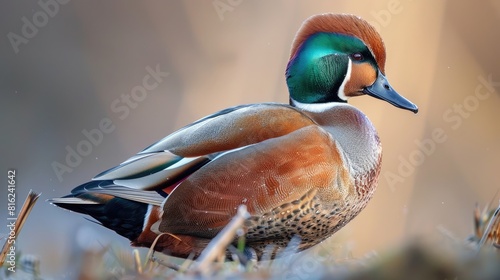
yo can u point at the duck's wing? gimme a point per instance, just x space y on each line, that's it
165 164
273 156
149 176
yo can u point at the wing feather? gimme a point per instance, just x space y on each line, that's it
262 176
172 159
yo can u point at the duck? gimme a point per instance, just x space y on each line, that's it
303 170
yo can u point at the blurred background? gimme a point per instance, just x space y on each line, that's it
67 67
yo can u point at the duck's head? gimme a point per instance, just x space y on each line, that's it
337 56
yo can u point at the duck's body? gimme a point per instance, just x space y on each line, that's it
304 169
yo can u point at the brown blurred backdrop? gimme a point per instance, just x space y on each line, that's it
85 55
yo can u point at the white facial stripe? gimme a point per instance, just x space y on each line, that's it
346 79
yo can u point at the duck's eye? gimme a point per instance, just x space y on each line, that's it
357 56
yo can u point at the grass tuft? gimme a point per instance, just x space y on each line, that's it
476 258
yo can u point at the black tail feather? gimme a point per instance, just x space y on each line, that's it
124 216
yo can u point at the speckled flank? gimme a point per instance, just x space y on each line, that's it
310 218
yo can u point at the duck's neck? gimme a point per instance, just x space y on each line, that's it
357 138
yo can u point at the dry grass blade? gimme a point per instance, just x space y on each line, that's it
492 231
21 219
137 262
150 257
170 265
218 245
